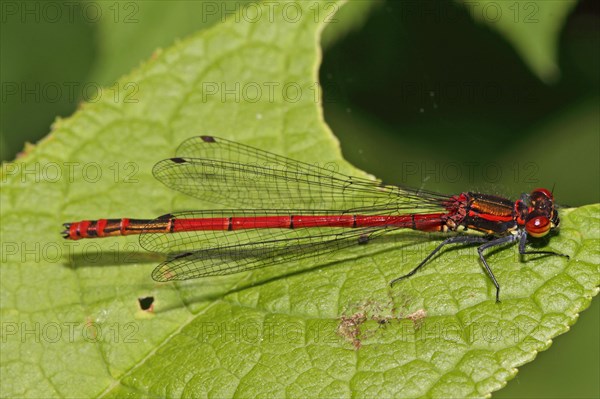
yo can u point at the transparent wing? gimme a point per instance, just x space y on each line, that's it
223 260
222 171
225 172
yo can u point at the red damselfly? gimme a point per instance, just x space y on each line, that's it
294 210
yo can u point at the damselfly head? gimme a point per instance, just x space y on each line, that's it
542 215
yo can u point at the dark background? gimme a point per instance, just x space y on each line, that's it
409 87
442 103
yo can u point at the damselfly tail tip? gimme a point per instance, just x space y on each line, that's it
65 233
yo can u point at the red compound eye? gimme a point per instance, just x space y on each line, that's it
538 226
542 191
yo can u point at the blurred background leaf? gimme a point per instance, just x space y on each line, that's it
101 41
416 91
349 18
532 27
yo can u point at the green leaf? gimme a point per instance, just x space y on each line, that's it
130 32
127 32
532 27
71 325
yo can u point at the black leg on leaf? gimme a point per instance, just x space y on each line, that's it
491 244
451 240
523 251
